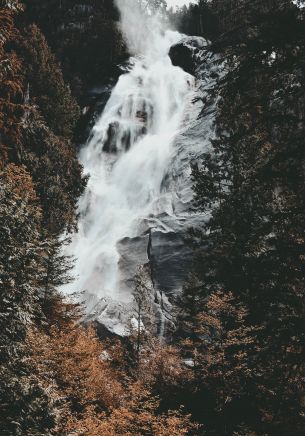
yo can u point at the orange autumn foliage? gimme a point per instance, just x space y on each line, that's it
20 183
93 397
11 93
136 418
73 357
162 368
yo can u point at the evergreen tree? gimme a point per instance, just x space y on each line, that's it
47 88
11 92
25 405
252 182
37 202
56 171
85 37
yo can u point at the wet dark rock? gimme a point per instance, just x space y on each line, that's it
186 53
170 261
142 116
126 140
182 56
133 252
112 133
92 102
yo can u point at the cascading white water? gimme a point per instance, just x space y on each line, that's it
128 155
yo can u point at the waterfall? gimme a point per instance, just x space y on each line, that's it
128 157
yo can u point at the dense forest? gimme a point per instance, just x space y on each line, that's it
235 363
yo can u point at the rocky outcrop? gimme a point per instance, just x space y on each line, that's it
185 53
182 56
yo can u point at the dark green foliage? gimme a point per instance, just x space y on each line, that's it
56 272
40 181
24 403
26 407
30 270
11 93
56 172
197 19
38 136
84 36
47 88
20 252
253 181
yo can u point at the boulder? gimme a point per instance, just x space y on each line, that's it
185 53
181 56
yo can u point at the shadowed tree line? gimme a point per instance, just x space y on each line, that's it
85 37
242 319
